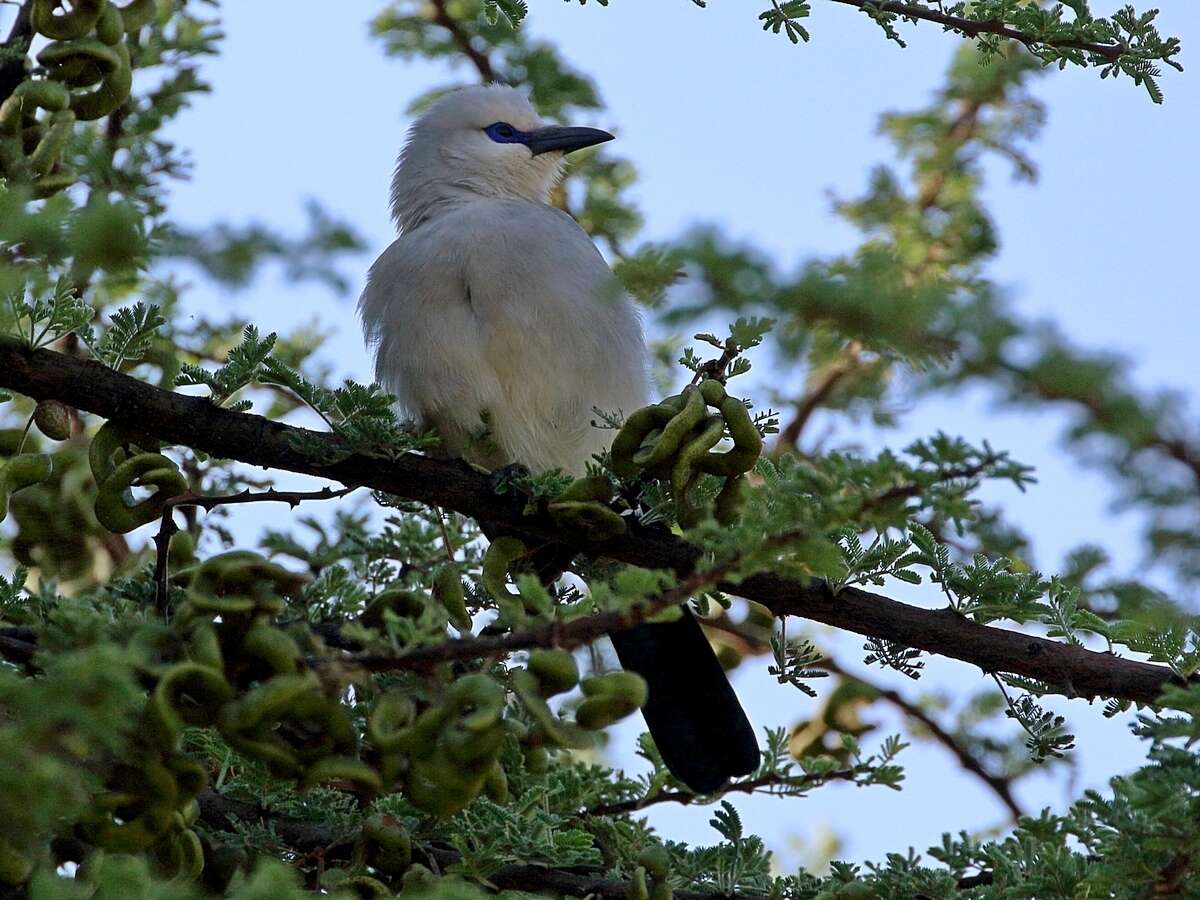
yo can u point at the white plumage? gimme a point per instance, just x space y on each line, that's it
492 304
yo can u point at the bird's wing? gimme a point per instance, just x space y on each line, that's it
506 308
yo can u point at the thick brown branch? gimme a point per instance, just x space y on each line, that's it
196 423
12 72
973 28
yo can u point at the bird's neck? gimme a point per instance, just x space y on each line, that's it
421 193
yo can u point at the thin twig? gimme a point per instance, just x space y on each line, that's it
162 540
568 635
974 28
789 438
1001 787
753 785
462 40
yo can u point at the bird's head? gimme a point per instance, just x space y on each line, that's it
486 141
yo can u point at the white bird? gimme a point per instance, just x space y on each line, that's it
494 311
493 314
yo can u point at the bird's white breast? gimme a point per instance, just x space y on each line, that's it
506 307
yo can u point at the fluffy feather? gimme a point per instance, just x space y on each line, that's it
492 304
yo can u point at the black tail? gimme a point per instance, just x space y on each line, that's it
692 712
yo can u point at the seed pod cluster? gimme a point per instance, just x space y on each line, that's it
675 441
89 75
504 557
56 527
117 469
448 754
649 880
549 672
583 510
22 471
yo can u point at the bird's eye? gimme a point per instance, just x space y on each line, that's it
502 133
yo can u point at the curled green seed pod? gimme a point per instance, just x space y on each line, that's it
182 550
500 556
21 472
240 581
713 392
145 470
610 698
82 63
448 591
111 26
477 702
280 759
137 14
361 777
583 509
43 159
656 860
386 845
188 693
549 727
204 646
638 888
537 760
590 521
555 670
15 868
113 444
454 746
730 500
81 19
747 442
266 703
629 439
190 779
273 647
405 603
683 471
27 97
390 720
179 855
675 431
113 90
594 487
495 785
323 726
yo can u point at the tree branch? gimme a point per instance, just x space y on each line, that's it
195 422
162 540
12 73
1001 787
218 811
973 28
789 438
462 40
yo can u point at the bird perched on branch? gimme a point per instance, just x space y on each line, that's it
496 321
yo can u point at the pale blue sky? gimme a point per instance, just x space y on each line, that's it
733 126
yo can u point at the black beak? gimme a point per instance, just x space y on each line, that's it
564 139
